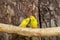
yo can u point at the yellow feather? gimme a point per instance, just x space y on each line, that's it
33 22
24 22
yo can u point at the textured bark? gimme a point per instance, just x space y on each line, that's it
49 14
13 12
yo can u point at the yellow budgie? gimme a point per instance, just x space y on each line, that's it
24 22
33 22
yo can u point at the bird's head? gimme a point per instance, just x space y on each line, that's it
27 19
32 17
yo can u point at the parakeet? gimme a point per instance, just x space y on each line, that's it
24 22
33 22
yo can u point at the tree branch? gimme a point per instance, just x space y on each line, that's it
47 32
